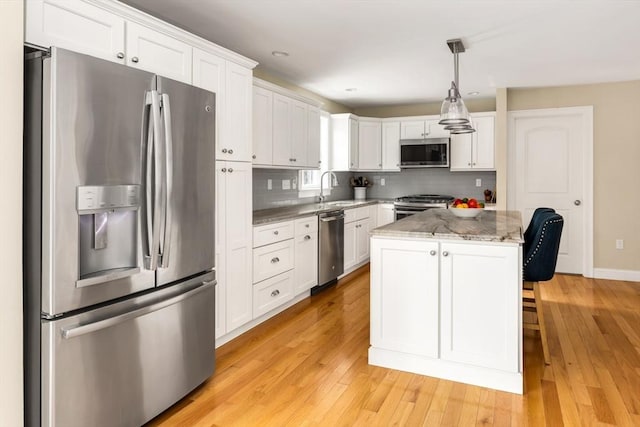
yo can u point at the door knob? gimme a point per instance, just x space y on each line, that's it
577 202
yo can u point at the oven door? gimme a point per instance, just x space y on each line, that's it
405 211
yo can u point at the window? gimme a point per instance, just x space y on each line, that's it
310 179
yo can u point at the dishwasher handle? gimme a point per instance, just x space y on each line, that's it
331 218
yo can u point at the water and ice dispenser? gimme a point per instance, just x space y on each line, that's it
108 231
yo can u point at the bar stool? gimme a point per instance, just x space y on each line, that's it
539 264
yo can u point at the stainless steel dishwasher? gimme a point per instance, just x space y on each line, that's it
330 249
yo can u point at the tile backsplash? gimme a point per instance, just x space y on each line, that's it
397 184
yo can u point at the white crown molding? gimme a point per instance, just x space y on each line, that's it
611 274
285 92
131 14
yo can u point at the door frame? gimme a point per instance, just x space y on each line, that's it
587 170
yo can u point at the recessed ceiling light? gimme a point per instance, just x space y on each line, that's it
351 89
474 93
279 53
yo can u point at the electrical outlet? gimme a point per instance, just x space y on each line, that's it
478 182
269 184
286 184
294 183
382 182
619 244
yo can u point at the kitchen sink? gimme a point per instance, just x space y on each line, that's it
345 203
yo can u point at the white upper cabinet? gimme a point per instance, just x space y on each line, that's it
155 52
235 136
209 74
391 146
344 142
423 127
262 126
286 128
369 144
475 151
77 26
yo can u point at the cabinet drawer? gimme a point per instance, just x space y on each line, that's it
272 233
271 293
355 214
272 260
306 225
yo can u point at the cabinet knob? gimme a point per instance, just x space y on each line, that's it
319 161
230 170
276 232
445 253
380 164
432 252
468 164
134 59
253 157
577 202
224 150
120 55
224 170
230 151
306 225
275 293
307 237
274 260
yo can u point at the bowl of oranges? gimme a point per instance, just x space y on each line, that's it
466 207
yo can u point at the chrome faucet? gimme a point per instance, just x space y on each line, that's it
335 181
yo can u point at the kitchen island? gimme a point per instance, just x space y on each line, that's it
446 297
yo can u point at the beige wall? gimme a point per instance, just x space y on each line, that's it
616 152
425 109
11 30
327 105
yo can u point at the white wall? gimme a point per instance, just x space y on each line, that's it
11 52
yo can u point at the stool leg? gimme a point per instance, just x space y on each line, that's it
543 330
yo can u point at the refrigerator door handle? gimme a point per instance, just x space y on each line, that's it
153 190
165 245
68 333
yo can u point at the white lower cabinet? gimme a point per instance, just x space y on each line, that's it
386 214
448 309
233 245
272 292
356 237
271 260
306 255
405 297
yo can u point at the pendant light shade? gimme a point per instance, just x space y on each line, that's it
453 111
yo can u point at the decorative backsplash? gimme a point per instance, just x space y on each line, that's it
397 184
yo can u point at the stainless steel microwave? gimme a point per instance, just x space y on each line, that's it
424 153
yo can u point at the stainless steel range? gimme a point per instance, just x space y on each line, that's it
409 205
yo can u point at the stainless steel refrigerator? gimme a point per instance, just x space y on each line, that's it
119 241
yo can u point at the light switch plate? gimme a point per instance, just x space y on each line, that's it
269 184
382 182
286 184
478 182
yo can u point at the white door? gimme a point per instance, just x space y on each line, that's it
299 133
551 164
350 242
262 126
369 145
391 146
281 130
306 262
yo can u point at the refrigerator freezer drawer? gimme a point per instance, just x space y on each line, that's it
126 368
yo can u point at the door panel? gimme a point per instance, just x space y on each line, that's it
91 139
547 151
192 202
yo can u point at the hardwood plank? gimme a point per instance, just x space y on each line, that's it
308 366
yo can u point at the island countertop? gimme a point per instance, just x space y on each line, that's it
488 226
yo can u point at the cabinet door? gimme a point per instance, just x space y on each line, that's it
75 25
158 53
306 262
460 151
221 249
391 146
362 240
480 287
281 130
412 129
369 145
209 74
262 126
350 242
236 134
353 143
238 248
435 130
299 134
313 155
405 296
484 143
386 214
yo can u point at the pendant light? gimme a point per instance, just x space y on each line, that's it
454 114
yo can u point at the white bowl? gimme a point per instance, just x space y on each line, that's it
466 212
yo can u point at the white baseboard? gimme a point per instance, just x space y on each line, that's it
611 274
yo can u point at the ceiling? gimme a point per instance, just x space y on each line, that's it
395 52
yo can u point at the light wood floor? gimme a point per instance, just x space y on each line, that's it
308 367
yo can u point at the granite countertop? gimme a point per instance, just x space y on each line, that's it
489 226
285 213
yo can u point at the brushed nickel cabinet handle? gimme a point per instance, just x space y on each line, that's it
275 293
230 151
307 237
274 260
224 150
276 232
